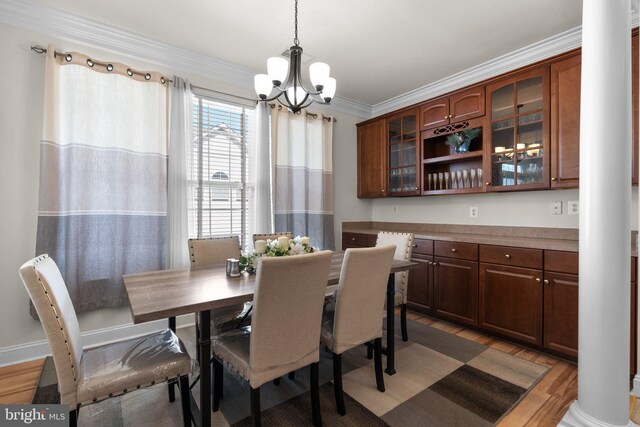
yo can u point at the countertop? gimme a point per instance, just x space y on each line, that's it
522 237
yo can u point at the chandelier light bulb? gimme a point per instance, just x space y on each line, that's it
277 69
329 89
297 95
263 85
319 73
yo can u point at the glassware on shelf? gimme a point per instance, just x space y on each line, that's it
465 179
474 180
440 180
428 182
446 181
480 177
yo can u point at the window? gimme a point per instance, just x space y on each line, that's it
218 169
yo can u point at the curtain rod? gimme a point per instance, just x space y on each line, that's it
40 50
314 115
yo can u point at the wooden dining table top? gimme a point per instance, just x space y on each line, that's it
161 294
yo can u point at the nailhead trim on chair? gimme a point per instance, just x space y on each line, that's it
44 288
125 391
192 255
407 256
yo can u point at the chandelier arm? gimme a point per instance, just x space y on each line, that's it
273 97
295 105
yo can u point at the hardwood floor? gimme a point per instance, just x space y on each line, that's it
544 405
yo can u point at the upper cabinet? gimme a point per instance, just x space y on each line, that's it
372 159
516 155
565 118
463 105
565 122
403 152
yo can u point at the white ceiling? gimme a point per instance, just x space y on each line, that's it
376 49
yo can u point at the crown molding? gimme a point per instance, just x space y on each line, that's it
51 22
538 51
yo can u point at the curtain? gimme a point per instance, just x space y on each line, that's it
303 184
103 176
180 139
262 170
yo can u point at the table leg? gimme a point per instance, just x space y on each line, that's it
205 367
391 290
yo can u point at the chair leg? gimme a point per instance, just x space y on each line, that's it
369 351
315 394
197 340
255 407
185 398
73 418
292 375
403 322
172 390
337 383
378 363
217 386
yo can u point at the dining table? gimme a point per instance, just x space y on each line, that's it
165 294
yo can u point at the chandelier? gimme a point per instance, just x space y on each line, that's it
285 80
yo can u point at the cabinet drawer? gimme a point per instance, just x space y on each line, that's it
506 255
561 261
567 262
423 246
457 250
358 239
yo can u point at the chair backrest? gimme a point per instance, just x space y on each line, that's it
272 236
51 300
404 249
214 250
361 296
287 312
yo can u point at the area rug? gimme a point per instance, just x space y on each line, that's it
441 380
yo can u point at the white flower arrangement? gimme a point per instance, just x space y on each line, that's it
283 246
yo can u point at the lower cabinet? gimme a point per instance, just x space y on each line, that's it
420 287
511 302
561 313
455 290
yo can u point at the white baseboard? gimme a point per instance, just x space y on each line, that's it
11 355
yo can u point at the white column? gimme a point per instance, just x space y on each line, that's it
605 217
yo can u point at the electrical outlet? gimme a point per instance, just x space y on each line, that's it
395 208
473 212
556 208
573 207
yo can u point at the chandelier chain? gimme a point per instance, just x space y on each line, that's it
295 38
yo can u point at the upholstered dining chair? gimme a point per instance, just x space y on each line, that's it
90 376
404 248
206 252
285 328
272 236
358 314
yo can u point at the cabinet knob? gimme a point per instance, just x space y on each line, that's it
436 263
416 188
446 117
353 239
507 256
546 282
383 191
415 246
538 279
554 178
450 116
453 250
487 183
430 262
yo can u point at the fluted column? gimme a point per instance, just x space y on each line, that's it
605 217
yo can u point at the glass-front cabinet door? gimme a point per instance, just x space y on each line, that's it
403 155
517 157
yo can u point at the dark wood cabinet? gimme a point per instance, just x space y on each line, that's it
511 302
403 154
372 160
565 118
464 105
561 313
358 240
455 290
565 122
420 288
516 155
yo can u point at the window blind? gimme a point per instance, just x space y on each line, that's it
218 169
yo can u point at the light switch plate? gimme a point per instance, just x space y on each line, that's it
573 207
556 208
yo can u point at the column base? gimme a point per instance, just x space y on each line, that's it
576 417
636 386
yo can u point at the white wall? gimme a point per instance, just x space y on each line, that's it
21 99
525 209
